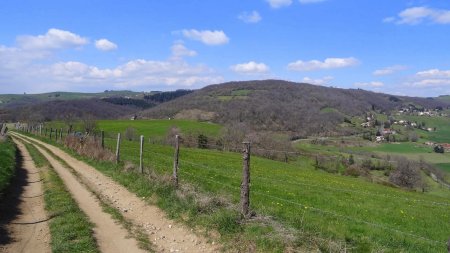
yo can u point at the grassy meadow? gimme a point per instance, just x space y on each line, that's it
298 205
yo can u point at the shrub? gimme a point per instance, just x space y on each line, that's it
89 147
439 149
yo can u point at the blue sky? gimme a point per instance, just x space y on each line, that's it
398 47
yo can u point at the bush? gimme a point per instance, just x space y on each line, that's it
202 141
355 171
439 149
89 147
130 133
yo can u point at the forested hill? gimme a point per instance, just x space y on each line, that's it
60 110
299 108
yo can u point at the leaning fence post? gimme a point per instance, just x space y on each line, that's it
118 149
245 185
175 161
141 165
103 140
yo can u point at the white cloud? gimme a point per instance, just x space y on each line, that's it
329 63
417 15
207 37
105 45
250 68
279 3
374 84
432 78
53 39
434 73
389 70
310 1
320 81
179 51
27 70
250 17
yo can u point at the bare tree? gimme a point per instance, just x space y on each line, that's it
406 174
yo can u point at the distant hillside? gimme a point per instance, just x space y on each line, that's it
17 100
273 105
58 105
59 110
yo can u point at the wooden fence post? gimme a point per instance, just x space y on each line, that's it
56 134
40 129
141 165
103 140
175 161
118 149
60 134
245 184
51 130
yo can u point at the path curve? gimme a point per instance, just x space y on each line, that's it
166 235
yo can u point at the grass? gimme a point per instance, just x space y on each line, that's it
7 162
70 228
442 133
310 209
149 128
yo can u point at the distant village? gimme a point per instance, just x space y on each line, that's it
386 132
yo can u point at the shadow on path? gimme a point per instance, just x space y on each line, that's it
10 200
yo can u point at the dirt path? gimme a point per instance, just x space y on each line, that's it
111 237
23 212
167 235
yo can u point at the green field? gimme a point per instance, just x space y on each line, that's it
367 216
7 162
159 128
442 124
312 207
148 128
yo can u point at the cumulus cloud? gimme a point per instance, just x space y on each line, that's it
417 15
31 71
279 3
329 63
250 68
389 70
431 78
179 51
207 37
53 39
105 45
373 84
250 17
310 1
319 81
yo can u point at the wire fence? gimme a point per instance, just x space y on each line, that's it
163 162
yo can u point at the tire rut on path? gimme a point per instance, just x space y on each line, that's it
110 236
166 235
28 229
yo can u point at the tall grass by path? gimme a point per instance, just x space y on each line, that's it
363 215
70 228
7 162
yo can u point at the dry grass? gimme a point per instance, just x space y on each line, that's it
88 147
